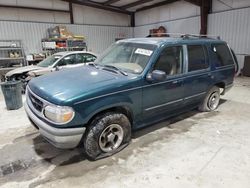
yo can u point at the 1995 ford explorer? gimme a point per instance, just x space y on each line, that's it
135 83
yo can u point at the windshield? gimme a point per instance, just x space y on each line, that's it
129 57
49 61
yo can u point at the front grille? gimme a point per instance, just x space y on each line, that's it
37 103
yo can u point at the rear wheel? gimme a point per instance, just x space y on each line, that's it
108 134
211 101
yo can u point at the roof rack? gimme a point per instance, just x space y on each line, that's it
187 36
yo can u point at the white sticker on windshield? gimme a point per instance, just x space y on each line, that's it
143 51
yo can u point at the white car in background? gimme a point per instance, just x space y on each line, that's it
52 63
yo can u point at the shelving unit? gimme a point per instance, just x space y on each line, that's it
11 53
52 46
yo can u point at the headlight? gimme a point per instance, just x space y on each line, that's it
59 114
31 74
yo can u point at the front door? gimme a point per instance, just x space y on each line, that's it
66 61
161 99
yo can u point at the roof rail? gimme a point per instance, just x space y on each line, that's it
186 36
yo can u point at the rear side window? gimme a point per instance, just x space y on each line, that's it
223 56
196 58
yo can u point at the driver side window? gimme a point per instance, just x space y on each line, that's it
68 60
170 60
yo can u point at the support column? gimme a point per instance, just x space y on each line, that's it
205 9
132 19
71 13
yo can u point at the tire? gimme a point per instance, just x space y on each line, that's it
107 134
211 101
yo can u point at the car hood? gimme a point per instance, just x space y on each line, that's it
46 70
71 85
39 72
22 70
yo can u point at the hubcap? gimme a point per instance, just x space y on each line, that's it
213 101
111 138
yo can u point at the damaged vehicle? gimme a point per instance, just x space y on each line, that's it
135 83
52 63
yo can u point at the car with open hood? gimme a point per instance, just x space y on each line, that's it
135 83
57 61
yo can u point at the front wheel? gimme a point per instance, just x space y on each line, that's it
211 101
107 134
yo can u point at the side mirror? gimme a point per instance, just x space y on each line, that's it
156 75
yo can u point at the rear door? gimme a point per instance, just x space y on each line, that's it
87 58
82 58
198 73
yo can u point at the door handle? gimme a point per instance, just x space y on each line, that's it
210 75
176 81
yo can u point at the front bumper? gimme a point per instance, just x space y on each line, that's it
61 138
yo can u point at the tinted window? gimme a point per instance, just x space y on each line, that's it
84 58
196 58
88 58
170 60
79 58
222 55
68 60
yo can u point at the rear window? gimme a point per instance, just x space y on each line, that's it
196 58
223 56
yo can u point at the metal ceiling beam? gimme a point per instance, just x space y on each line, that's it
99 6
156 5
34 8
136 3
194 2
109 2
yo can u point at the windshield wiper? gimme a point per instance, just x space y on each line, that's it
116 68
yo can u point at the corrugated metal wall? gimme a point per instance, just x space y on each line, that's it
219 5
168 12
234 27
89 15
185 25
82 14
98 38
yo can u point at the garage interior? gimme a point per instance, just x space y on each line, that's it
191 150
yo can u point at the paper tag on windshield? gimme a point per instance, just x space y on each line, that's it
143 51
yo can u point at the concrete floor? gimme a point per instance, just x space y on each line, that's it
193 150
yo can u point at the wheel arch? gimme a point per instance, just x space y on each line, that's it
123 109
221 85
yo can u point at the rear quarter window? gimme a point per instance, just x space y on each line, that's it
223 57
197 58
